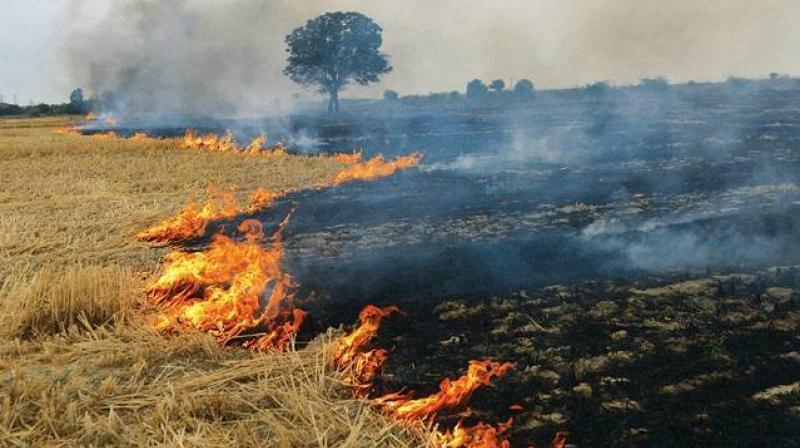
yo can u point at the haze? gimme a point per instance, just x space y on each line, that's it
235 48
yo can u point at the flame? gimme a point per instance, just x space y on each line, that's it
257 144
261 199
209 142
376 167
192 220
90 116
452 394
111 121
481 435
230 288
226 143
105 135
361 366
349 158
141 137
279 150
560 439
278 335
68 130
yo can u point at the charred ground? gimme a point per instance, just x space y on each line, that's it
634 255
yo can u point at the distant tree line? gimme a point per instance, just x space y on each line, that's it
476 89
495 92
77 105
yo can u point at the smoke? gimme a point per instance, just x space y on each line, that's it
185 57
190 57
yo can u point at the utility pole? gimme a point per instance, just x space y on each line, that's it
15 98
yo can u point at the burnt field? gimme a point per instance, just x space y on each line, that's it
635 255
628 255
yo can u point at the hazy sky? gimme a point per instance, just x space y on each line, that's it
438 45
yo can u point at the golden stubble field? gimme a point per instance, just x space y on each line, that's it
79 365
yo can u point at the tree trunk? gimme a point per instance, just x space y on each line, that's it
333 102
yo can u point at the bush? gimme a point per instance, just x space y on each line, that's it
597 88
391 95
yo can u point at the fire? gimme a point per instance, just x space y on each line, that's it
362 366
257 144
481 435
192 220
111 121
90 116
279 150
376 167
68 130
560 440
209 142
349 159
142 137
452 394
261 199
227 143
110 135
228 289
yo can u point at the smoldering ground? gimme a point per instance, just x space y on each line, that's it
642 190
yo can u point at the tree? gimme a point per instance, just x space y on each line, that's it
76 102
523 88
391 95
333 50
476 89
497 85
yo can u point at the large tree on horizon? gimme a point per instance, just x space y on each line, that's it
333 50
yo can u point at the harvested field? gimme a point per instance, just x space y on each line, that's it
80 366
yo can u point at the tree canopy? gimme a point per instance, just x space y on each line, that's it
476 89
335 49
523 88
497 85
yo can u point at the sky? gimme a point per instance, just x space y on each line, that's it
50 46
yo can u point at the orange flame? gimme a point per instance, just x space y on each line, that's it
348 352
560 439
105 135
111 121
349 159
68 130
376 167
261 199
481 435
90 116
227 144
452 394
257 144
220 290
192 221
142 137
